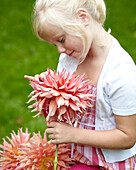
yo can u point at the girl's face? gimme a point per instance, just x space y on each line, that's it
66 43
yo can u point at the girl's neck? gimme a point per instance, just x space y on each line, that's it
95 60
101 44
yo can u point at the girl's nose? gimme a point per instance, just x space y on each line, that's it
61 49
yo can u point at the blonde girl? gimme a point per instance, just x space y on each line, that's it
105 137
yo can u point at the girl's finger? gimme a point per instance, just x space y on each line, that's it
54 142
51 124
51 136
49 130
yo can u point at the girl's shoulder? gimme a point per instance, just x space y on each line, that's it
117 82
119 63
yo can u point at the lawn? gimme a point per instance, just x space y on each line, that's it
22 53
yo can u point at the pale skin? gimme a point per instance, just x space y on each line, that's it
124 136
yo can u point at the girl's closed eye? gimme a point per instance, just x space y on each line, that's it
62 40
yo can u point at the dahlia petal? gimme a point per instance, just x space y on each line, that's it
45 136
59 101
35 110
34 85
54 92
66 103
46 83
48 77
31 99
72 86
33 167
85 97
32 93
30 78
73 89
52 108
33 105
43 75
46 94
41 104
13 138
72 82
62 111
74 98
68 118
12 143
64 86
62 77
37 77
74 107
37 115
65 95
54 83
72 115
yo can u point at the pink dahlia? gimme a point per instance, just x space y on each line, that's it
59 96
11 151
39 154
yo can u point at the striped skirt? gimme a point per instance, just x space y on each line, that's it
92 156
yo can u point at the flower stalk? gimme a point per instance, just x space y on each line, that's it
56 157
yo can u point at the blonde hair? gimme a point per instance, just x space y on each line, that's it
62 13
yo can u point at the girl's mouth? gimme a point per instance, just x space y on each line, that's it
71 53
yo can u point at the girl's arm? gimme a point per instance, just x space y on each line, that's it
123 137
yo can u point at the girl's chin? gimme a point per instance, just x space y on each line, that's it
76 57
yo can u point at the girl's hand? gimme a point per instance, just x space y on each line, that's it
60 132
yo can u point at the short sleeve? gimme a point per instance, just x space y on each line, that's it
121 90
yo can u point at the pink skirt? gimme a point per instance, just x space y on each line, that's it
80 166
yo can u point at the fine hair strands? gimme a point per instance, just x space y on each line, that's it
60 12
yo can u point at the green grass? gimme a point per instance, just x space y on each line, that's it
22 53
121 18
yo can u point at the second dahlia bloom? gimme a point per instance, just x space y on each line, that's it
59 96
39 154
11 151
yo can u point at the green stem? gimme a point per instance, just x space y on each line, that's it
56 158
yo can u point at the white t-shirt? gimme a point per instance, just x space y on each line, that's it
116 93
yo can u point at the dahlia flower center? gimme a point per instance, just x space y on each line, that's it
47 163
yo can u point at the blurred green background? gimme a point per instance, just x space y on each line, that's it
22 53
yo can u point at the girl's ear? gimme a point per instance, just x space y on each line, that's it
83 16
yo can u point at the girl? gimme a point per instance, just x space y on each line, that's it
105 138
